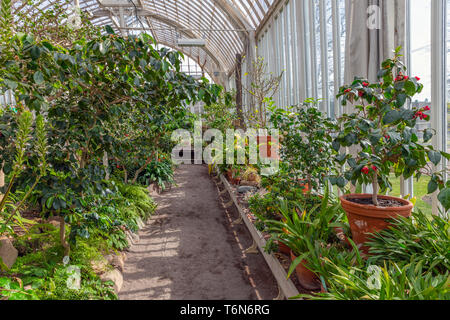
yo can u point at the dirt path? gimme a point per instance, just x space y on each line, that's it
190 251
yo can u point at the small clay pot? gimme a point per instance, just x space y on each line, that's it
341 236
283 248
308 279
367 219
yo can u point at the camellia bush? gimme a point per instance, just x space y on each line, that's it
82 91
383 131
306 143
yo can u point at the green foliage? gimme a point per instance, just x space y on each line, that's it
12 289
160 172
222 114
47 276
6 19
393 282
384 130
420 240
409 260
301 230
306 142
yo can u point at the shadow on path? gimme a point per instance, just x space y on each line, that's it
190 251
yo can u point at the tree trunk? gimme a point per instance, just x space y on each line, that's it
375 189
62 236
239 104
138 172
106 165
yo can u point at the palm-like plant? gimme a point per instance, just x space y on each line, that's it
301 231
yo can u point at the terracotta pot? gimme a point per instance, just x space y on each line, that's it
268 147
308 279
283 248
305 187
341 235
366 219
231 177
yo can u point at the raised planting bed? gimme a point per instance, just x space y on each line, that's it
287 288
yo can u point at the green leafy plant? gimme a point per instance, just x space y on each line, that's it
384 130
391 282
306 142
159 171
420 240
301 230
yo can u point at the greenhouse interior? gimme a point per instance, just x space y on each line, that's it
239 150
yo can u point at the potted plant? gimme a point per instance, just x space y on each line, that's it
301 230
306 144
379 138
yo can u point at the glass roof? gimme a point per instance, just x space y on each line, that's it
224 24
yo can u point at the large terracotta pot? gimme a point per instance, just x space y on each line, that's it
308 279
283 248
366 219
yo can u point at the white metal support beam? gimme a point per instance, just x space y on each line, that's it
324 58
174 24
336 20
438 82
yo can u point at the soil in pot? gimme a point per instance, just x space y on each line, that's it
308 279
365 218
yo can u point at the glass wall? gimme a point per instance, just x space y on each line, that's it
306 41
420 55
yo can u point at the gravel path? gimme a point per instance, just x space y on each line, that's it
190 251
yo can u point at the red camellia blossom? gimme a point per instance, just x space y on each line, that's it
365 84
360 93
387 137
427 108
347 90
417 78
405 78
365 170
374 168
421 115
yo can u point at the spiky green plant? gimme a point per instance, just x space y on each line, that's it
41 149
24 122
6 18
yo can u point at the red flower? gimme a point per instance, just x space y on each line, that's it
347 90
365 170
118 167
365 84
427 108
360 93
387 137
421 115
405 78
126 135
417 78
374 168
